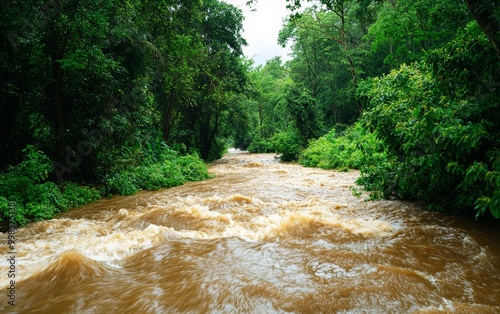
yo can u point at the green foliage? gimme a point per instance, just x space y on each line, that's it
19 182
355 148
262 111
122 183
302 107
36 199
439 123
406 29
74 195
260 145
327 45
218 73
130 70
491 201
159 175
192 168
288 144
244 124
162 168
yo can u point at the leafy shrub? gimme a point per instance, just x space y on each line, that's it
159 175
192 168
260 145
76 195
163 169
287 143
122 183
439 121
354 149
35 198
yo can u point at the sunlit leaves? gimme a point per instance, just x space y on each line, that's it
405 30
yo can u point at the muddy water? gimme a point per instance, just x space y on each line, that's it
260 237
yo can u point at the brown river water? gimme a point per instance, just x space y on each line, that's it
260 237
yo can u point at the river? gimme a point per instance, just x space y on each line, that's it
260 237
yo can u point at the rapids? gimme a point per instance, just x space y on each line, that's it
260 237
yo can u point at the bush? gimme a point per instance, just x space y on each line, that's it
192 168
25 185
76 195
287 143
439 121
260 145
355 148
159 175
168 170
35 198
122 183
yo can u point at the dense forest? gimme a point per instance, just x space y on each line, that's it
104 97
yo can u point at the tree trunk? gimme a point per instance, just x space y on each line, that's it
57 100
354 80
210 139
167 114
485 17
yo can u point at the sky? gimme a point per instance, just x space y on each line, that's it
261 28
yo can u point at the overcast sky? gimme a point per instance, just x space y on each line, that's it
261 29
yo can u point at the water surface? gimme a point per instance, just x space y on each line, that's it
260 237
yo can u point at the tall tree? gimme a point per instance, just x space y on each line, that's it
327 60
405 30
486 13
220 73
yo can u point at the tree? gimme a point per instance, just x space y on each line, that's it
327 60
220 73
437 119
303 109
405 30
336 22
268 83
486 14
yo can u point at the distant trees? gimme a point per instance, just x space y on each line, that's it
326 49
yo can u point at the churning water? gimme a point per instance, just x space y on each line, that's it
260 237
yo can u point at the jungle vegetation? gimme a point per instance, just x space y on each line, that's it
104 97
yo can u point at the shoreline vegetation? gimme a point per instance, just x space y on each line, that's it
28 185
112 97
